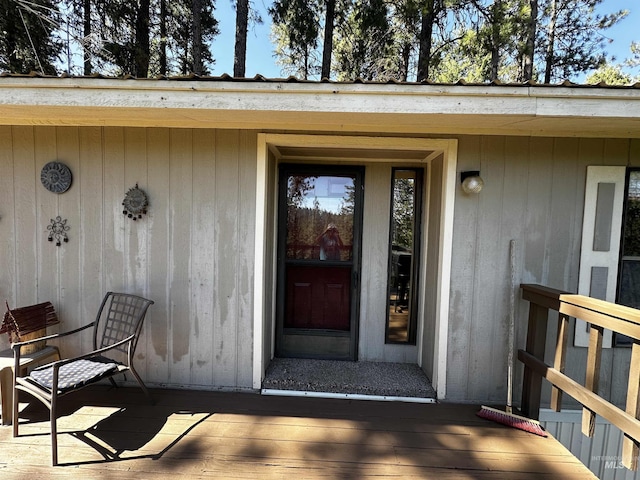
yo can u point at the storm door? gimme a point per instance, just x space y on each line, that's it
320 218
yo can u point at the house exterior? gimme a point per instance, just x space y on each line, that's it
211 249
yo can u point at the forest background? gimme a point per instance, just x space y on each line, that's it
478 41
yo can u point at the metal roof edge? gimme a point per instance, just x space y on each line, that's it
291 79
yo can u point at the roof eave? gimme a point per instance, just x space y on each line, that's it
322 106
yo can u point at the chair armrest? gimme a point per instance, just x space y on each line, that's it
16 346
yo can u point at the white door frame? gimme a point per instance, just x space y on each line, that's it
264 284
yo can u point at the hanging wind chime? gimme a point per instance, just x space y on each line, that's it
58 231
135 203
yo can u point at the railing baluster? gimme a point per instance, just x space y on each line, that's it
630 450
560 358
536 339
592 379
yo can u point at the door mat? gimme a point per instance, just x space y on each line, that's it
354 378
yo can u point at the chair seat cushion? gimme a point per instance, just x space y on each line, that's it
75 374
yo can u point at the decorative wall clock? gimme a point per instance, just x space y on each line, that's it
56 177
135 203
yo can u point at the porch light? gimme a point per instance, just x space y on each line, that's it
471 181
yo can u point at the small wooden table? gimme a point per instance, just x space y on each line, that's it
6 375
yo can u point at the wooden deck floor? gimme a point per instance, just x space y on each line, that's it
204 435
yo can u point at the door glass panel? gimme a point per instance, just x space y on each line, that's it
403 255
319 251
320 215
629 282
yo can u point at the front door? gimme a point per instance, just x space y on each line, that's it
320 217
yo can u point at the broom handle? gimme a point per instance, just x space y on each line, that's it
512 304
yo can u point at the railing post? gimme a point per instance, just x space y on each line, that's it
592 379
532 381
560 358
630 450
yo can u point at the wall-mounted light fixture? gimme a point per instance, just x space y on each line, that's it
471 181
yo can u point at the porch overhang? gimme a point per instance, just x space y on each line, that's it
323 107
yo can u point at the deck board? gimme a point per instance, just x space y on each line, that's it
114 434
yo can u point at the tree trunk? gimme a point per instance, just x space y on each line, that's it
88 68
142 40
196 6
240 53
530 46
426 33
551 39
496 39
163 38
328 39
403 71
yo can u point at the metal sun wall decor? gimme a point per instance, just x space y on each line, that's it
56 177
135 203
58 231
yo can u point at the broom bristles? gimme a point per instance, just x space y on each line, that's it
512 420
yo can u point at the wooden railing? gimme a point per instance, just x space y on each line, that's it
600 315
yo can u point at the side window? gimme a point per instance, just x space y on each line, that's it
404 255
629 266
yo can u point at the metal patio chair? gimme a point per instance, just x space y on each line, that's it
116 328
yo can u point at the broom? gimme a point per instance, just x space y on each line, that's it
508 417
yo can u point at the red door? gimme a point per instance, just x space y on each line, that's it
318 268
318 297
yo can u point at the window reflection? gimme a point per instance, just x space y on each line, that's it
403 255
629 290
320 215
629 275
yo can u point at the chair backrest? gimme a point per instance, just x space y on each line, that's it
119 316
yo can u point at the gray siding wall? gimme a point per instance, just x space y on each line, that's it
192 254
534 193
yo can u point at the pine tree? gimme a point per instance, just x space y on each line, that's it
364 46
28 41
295 30
573 42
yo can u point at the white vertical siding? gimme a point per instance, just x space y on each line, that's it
375 259
192 253
226 252
157 332
244 266
431 233
91 220
32 262
203 269
8 273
